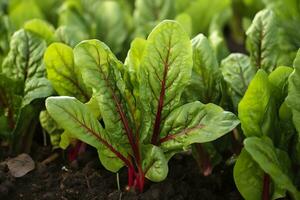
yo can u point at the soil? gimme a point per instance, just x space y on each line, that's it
86 179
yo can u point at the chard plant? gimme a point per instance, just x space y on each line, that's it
265 166
22 87
270 150
143 121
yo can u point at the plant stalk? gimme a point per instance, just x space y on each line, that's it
266 187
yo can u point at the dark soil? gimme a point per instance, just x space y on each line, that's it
86 179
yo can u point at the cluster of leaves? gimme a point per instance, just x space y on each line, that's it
168 94
142 142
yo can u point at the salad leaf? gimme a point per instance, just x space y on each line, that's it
248 176
206 75
262 40
257 109
237 71
264 153
64 75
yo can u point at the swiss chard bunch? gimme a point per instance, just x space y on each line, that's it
269 114
143 122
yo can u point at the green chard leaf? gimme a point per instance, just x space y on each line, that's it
195 123
257 159
131 76
64 75
279 80
257 109
264 153
24 66
237 71
248 177
206 78
76 118
24 60
155 164
101 71
262 40
165 70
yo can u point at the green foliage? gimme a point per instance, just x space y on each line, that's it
256 109
24 83
237 71
145 142
161 100
267 123
262 38
206 75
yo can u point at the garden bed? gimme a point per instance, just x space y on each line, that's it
85 178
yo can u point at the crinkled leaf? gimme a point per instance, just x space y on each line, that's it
195 123
248 177
262 40
237 72
165 70
205 83
264 153
101 71
154 164
77 119
257 109
24 60
36 88
64 75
